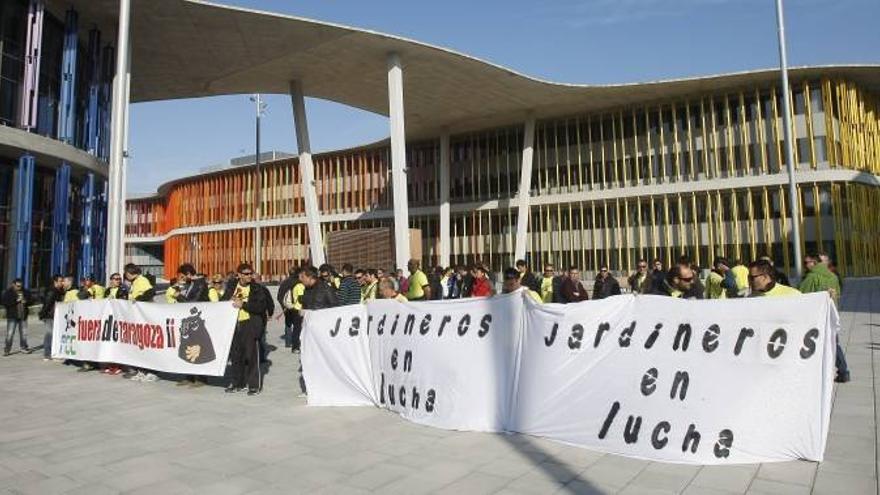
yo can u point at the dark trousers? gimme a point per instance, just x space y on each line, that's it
296 330
840 361
245 355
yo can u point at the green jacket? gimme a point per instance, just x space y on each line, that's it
819 279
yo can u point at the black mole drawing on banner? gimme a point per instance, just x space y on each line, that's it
195 342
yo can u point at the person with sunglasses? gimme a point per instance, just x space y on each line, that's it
606 285
250 299
115 289
681 282
636 281
217 288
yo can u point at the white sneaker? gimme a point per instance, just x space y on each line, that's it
150 377
139 377
302 396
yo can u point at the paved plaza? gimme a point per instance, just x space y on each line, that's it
70 432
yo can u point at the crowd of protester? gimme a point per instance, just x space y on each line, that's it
310 288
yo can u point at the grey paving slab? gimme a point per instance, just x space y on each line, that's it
70 432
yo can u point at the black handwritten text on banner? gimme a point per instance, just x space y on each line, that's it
699 382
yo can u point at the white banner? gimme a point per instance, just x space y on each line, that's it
448 364
698 382
190 338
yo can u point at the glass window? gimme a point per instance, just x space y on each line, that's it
799 106
821 151
803 150
817 104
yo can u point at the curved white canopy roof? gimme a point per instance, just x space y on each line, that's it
192 48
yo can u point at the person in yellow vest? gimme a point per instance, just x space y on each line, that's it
513 282
215 292
387 290
762 281
293 303
547 283
71 292
95 290
174 289
418 288
250 300
140 290
741 276
115 290
371 285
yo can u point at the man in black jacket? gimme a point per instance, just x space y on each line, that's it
196 288
16 299
289 314
606 285
53 294
526 277
251 302
318 293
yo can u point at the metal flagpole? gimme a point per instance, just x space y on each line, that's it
789 153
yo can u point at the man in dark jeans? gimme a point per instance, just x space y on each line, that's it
245 353
16 299
284 287
52 295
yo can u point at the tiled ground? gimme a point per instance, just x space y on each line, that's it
68 432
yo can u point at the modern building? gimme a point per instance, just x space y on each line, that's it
690 167
56 71
484 162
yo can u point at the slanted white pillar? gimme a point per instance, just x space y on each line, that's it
398 161
445 245
307 173
525 186
118 122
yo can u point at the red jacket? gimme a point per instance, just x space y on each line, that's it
482 287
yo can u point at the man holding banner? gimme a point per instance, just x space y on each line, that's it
250 300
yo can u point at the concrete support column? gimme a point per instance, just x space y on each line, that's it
445 244
119 108
398 161
525 186
307 173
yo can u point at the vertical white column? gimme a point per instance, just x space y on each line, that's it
398 160
123 170
445 244
307 173
117 140
525 186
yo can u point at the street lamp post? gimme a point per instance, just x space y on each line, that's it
258 186
789 153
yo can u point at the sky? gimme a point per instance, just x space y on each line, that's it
572 41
